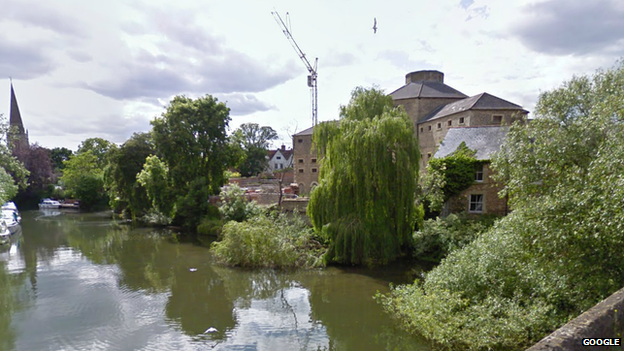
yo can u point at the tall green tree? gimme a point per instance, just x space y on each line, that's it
83 179
58 155
190 138
99 147
254 141
365 201
155 179
120 175
13 174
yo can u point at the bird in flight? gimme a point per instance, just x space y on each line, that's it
375 25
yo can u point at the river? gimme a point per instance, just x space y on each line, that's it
74 281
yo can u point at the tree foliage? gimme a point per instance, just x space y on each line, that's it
120 175
559 252
155 179
190 137
99 148
36 160
364 203
83 179
58 155
13 174
254 142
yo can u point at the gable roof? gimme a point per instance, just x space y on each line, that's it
426 89
486 140
285 153
483 101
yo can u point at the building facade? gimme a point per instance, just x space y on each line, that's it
305 161
279 159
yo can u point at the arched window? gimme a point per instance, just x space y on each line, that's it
313 185
301 188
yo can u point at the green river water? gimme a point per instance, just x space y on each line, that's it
75 281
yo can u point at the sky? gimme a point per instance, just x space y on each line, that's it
85 69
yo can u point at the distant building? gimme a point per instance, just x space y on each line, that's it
305 161
17 135
280 159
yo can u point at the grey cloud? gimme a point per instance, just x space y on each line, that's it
42 16
401 59
244 104
79 56
161 76
481 11
23 61
577 27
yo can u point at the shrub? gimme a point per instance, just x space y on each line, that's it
268 241
235 206
438 237
210 226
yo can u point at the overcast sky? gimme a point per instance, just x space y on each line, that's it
105 68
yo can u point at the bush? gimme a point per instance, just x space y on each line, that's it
210 226
440 236
276 241
235 206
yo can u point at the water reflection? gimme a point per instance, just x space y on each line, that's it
84 282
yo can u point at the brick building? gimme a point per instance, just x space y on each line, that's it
305 161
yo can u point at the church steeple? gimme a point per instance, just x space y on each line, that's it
17 136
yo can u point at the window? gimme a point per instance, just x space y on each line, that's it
300 170
476 203
275 166
439 125
300 160
300 140
314 170
313 160
281 166
497 119
450 122
279 157
428 155
478 173
429 128
422 129
461 120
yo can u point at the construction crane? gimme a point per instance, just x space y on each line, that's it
312 69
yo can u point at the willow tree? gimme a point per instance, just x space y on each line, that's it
364 203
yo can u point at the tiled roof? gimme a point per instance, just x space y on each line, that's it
426 89
483 101
486 140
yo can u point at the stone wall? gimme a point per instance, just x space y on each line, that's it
489 189
605 320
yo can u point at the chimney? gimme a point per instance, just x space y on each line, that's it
283 147
424 76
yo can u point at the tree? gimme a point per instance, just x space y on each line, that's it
190 138
58 155
83 179
365 201
120 175
254 140
155 179
11 166
37 161
99 148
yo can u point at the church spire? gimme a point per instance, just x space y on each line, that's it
17 135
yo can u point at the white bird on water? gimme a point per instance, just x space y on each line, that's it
211 330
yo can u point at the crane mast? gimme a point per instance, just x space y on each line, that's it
311 69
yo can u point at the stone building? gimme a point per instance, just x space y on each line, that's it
305 161
438 111
444 117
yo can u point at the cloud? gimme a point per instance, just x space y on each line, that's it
43 16
244 104
466 3
338 59
402 59
23 61
573 27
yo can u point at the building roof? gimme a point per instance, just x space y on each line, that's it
15 118
483 101
284 152
308 131
486 140
426 89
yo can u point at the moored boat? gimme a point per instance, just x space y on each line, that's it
49 203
